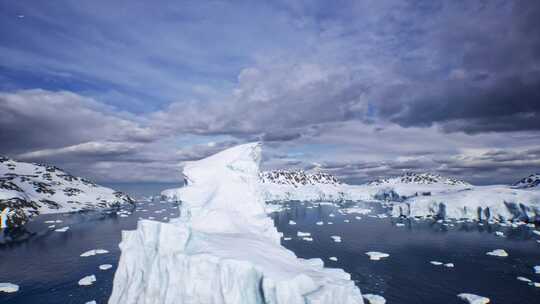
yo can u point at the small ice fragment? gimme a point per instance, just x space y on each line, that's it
400 224
524 279
91 302
300 234
536 284
498 252
536 232
105 267
331 215
436 263
333 259
287 238
52 226
473 299
449 265
63 229
330 223
346 221
93 252
291 222
374 299
319 223
375 255
8 287
309 239
536 269
499 233
49 222
151 217
358 217
87 280
530 225
58 221
123 215
336 238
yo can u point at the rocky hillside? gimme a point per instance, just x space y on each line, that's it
530 181
28 189
419 178
297 177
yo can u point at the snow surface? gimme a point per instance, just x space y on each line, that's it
28 189
223 248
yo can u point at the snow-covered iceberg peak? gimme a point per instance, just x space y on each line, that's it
224 249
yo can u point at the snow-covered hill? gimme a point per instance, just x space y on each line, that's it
297 178
28 189
419 178
530 181
224 248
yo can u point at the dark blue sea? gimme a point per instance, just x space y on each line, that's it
47 264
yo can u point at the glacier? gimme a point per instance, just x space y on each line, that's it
223 248
409 195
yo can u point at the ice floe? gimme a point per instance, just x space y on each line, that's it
87 280
473 299
336 238
498 253
105 267
8 287
375 255
63 229
93 252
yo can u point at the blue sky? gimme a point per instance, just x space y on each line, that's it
126 91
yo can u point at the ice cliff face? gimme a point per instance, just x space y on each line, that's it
223 248
27 190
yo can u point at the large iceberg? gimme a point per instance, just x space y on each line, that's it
223 248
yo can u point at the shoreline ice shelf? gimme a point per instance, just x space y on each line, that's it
410 195
223 248
27 190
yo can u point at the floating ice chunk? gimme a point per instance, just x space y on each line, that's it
524 279
436 263
449 265
306 238
49 222
536 232
530 225
151 218
301 234
400 224
330 223
51 226
319 223
374 299
346 221
333 259
87 280
375 255
358 217
291 222
91 302
536 269
93 252
498 252
331 215
336 238
473 299
105 267
536 284
382 215
499 233
8 287
63 229
123 215
287 238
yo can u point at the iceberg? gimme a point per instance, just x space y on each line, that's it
223 248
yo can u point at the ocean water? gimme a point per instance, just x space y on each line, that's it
47 264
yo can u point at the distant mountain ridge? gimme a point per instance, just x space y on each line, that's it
530 181
297 177
420 178
30 189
